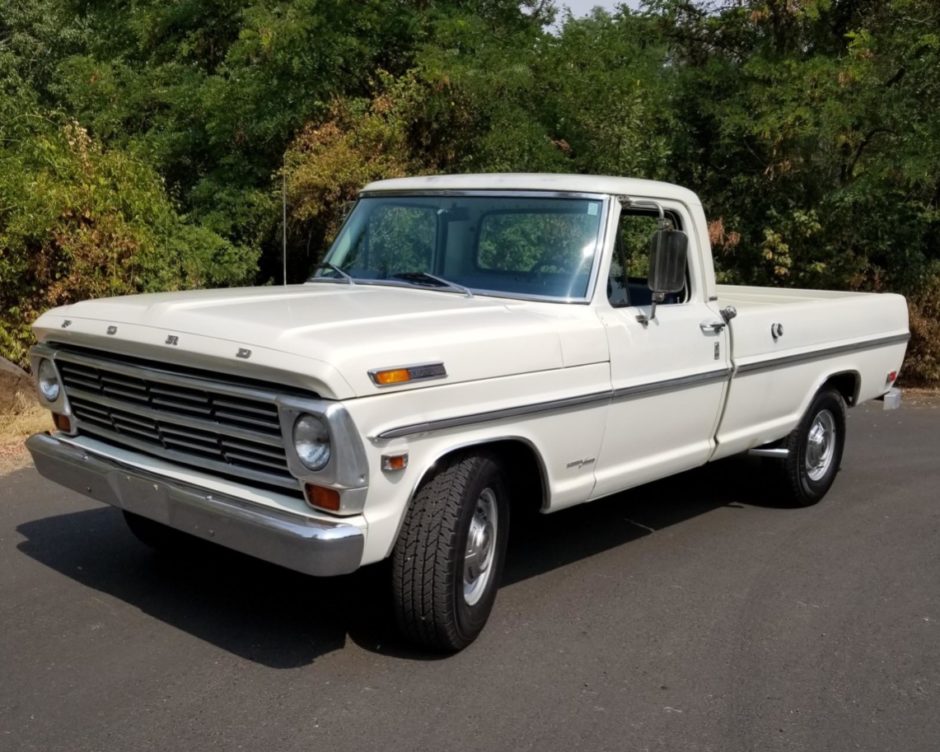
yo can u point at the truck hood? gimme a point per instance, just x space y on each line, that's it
331 335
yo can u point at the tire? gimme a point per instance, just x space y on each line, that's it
158 536
815 449
442 598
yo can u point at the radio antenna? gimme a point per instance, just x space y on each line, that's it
284 227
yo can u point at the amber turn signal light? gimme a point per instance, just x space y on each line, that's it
393 462
62 422
404 374
322 498
392 376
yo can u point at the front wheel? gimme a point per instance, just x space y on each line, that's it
815 449
448 559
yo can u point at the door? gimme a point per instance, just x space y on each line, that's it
669 375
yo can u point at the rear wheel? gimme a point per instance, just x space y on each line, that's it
449 556
815 449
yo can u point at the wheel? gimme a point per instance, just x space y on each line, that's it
151 533
449 555
815 449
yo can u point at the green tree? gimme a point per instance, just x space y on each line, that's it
79 221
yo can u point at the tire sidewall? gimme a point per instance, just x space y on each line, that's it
811 490
471 619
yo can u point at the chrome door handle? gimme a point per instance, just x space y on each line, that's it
712 327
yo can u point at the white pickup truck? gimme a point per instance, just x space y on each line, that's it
470 344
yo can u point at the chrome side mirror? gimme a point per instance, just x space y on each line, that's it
669 250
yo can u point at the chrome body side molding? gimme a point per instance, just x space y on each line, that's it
783 361
624 393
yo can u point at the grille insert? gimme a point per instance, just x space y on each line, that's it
221 427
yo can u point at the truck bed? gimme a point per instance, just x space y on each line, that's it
748 296
785 340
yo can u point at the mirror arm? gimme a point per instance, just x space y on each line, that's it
643 203
658 297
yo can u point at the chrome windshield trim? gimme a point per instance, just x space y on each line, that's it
528 193
784 361
608 395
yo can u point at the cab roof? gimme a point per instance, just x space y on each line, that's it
550 182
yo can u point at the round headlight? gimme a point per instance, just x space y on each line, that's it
312 441
48 381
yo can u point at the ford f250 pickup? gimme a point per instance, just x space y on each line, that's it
469 344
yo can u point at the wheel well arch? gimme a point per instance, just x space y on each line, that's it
847 383
525 469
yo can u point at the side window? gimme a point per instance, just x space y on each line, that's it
626 283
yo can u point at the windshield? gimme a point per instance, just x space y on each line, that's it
513 245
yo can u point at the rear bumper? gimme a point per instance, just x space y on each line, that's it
314 547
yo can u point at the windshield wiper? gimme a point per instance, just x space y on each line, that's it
419 277
334 268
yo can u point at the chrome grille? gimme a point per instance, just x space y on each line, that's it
189 419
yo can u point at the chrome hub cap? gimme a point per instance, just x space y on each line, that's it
820 445
481 547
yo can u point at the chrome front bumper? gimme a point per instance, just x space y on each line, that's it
306 545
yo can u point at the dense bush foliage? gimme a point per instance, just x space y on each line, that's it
143 145
79 221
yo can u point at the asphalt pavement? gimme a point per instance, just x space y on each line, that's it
691 614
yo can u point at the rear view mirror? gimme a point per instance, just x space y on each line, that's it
455 214
668 254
